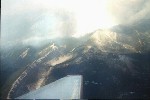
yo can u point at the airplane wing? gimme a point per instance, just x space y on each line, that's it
69 87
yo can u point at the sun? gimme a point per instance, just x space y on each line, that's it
92 15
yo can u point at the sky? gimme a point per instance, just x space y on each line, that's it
29 20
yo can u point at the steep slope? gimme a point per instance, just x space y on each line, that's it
113 63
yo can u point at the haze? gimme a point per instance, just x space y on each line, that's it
26 20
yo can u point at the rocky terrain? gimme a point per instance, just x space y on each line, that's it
114 64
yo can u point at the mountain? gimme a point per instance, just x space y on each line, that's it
114 64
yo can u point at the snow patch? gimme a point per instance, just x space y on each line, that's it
104 37
87 48
48 50
72 49
53 47
24 54
59 60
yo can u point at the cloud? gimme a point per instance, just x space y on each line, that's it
129 11
26 18
22 19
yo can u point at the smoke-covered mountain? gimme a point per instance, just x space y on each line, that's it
114 64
